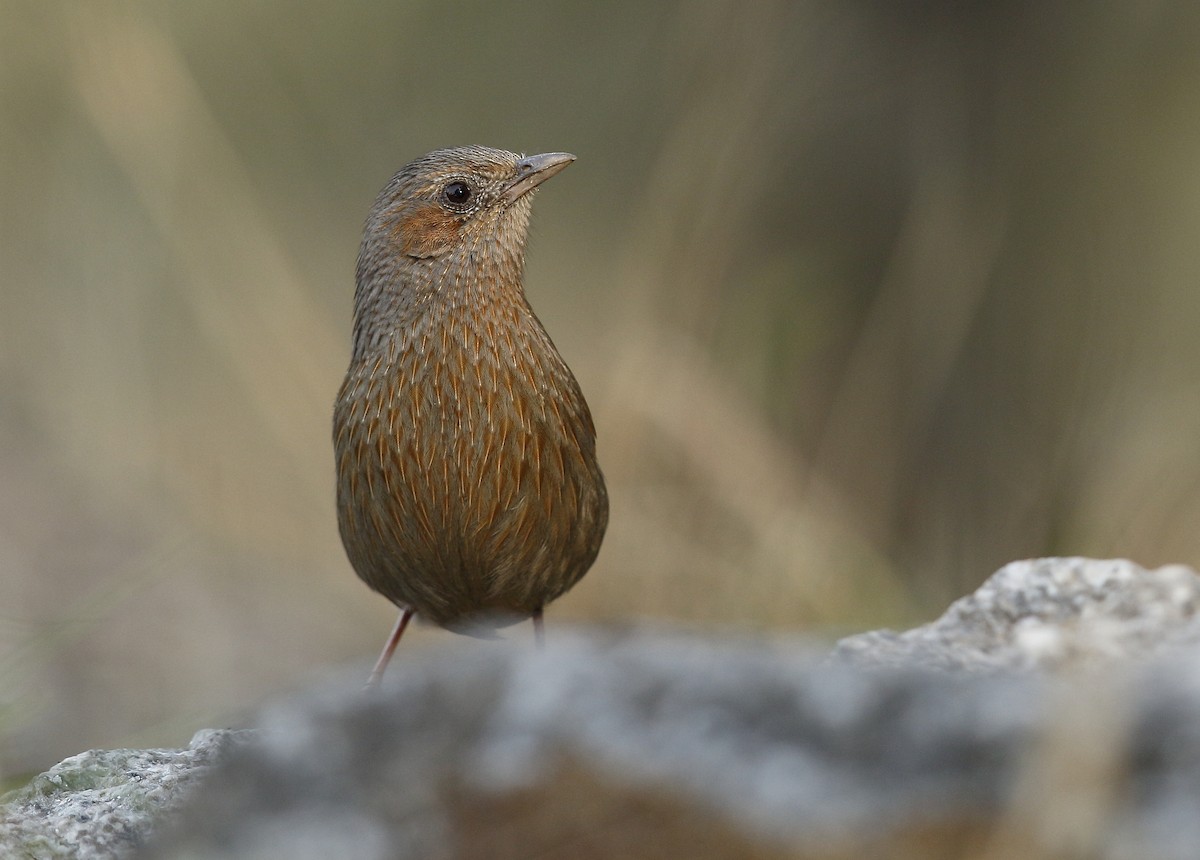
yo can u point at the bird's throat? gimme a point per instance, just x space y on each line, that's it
438 294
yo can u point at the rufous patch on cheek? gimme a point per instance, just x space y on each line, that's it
425 231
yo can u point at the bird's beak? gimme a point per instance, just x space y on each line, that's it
533 170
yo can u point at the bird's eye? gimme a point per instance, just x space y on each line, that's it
456 193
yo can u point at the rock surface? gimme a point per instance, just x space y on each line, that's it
951 740
103 803
1048 613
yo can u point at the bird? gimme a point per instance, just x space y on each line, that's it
468 488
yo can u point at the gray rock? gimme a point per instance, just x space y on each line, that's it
761 745
1048 613
949 740
103 803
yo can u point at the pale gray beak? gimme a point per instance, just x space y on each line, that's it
533 170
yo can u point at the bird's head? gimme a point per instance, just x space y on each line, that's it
453 199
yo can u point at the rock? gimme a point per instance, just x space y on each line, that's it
1048 613
951 740
103 803
606 743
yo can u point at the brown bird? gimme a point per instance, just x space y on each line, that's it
468 490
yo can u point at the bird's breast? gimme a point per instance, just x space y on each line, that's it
466 467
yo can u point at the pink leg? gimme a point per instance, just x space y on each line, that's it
539 631
389 648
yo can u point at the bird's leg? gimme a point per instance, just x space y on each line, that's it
539 631
393 640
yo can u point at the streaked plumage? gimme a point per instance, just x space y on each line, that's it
468 486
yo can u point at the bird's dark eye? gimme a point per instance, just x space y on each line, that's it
456 193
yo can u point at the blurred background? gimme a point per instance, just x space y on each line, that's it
868 298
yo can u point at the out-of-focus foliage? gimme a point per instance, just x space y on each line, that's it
868 298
